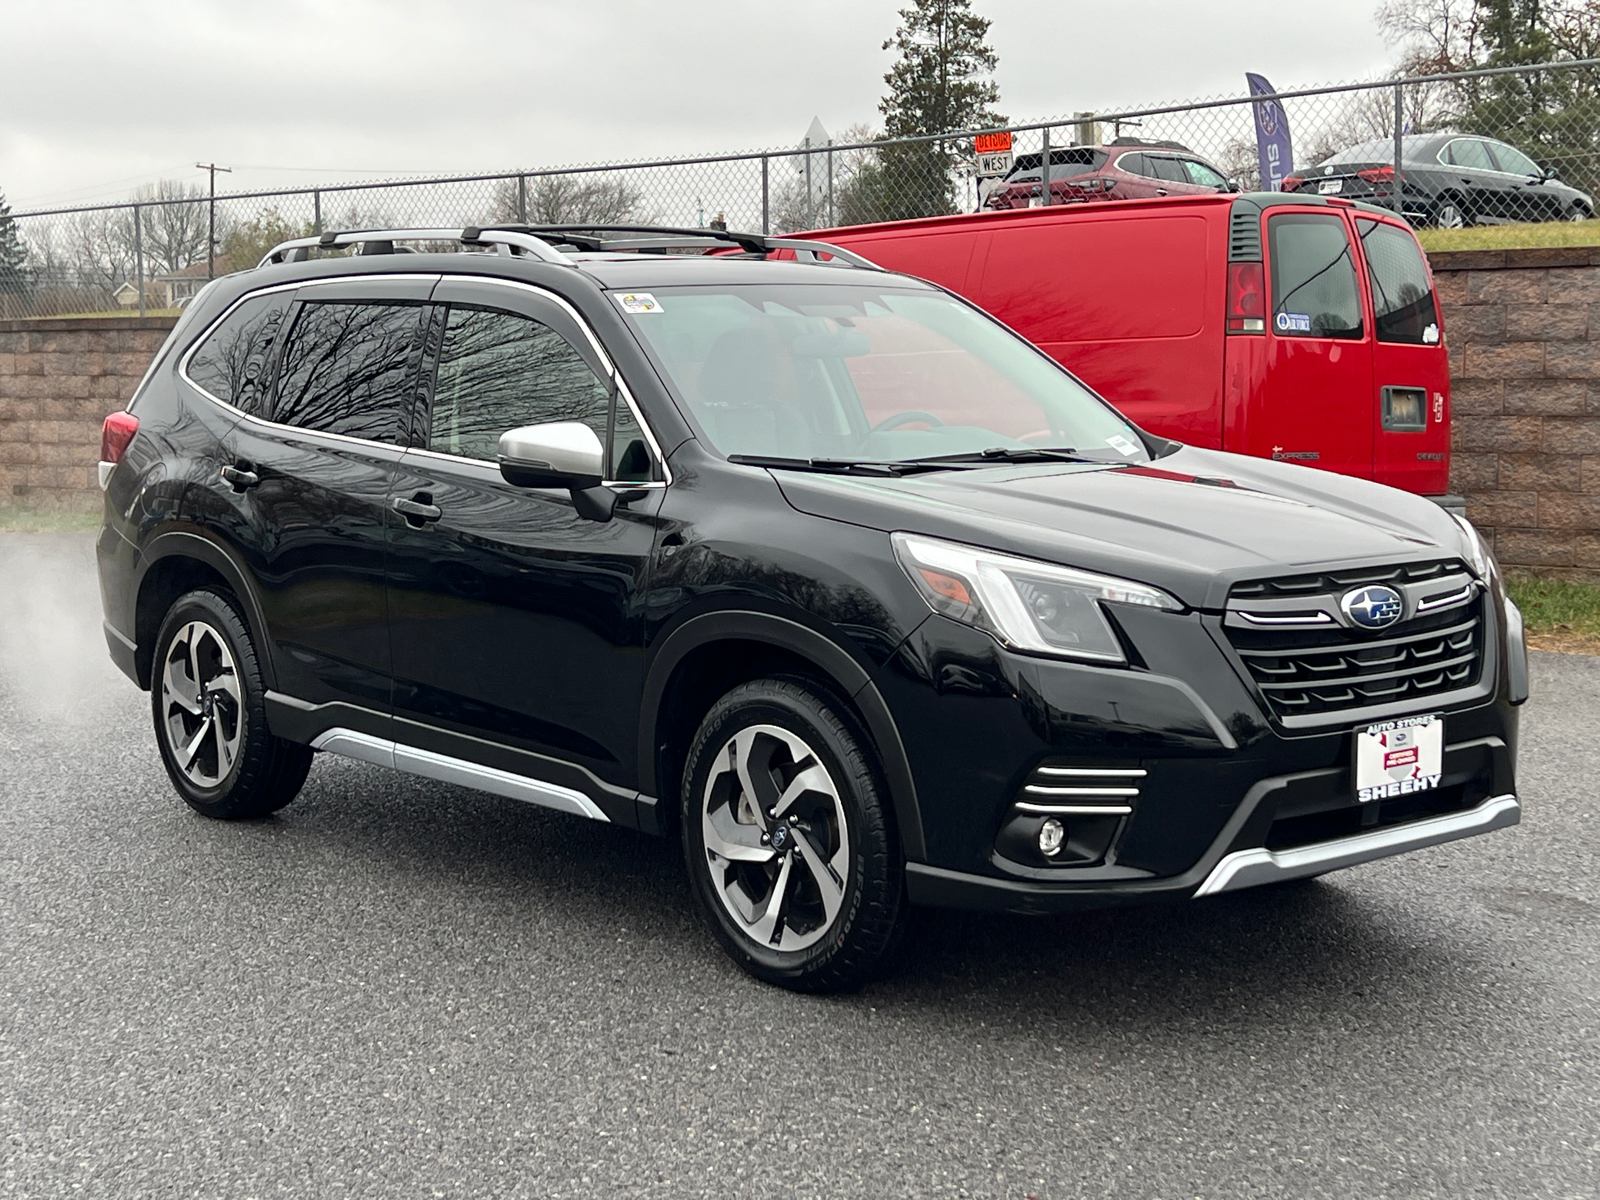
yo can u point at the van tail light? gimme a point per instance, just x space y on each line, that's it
115 435
1247 298
1291 183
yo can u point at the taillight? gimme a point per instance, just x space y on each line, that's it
1247 298
115 435
1291 183
1377 174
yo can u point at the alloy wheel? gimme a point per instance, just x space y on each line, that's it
1449 216
202 709
776 840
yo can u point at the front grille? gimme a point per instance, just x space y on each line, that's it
1308 659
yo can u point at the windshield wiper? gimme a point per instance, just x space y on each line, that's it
1013 454
848 466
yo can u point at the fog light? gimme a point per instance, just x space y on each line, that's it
1051 834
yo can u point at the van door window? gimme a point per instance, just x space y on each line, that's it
1314 290
347 369
1402 294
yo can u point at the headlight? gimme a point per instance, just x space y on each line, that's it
1028 605
1479 556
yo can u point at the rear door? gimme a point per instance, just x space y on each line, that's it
1172 179
1475 176
1318 347
1410 366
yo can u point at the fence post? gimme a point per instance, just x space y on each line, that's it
138 253
316 213
1399 170
766 198
832 220
522 199
1044 168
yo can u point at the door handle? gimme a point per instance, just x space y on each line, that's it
418 511
239 478
1161 191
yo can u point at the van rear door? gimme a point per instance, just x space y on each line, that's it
1410 366
1318 347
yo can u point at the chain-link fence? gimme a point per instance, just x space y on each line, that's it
1509 144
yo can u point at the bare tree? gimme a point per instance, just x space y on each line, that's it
607 199
174 231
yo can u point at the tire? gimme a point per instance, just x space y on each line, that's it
814 903
1449 214
207 703
1576 212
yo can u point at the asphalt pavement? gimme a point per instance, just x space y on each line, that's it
399 988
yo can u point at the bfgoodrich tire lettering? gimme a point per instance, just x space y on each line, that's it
206 696
787 837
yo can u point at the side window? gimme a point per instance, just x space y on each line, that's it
1203 175
1402 293
1134 164
347 369
1168 169
1314 290
498 370
1513 161
234 363
1472 154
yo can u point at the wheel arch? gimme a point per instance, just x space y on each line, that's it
178 562
703 658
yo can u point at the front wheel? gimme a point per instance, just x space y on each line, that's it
207 697
788 840
1576 212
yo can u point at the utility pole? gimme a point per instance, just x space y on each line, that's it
211 239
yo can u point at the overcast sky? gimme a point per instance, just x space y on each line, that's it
98 97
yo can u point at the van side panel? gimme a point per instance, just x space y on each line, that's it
1245 425
1130 303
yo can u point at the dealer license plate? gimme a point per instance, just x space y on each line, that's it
1396 758
1331 187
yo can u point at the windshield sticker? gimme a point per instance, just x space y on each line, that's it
1122 445
1430 335
1288 322
639 302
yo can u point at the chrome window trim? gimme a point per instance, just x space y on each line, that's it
623 389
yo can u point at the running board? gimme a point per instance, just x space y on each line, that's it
426 763
1252 868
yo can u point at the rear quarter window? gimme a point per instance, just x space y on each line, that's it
233 362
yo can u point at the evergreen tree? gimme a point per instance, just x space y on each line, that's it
940 83
13 254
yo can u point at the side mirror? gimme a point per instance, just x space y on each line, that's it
1230 185
559 454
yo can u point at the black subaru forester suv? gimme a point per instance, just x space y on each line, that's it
814 566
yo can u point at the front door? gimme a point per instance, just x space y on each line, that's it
1410 367
518 623
1318 348
313 485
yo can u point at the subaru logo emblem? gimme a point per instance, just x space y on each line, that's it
1373 607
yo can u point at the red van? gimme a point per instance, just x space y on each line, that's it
1299 328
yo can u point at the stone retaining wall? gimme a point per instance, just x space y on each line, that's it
1523 327
58 380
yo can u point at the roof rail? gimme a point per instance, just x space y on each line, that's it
541 242
382 241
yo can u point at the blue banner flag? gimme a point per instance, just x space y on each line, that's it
1273 150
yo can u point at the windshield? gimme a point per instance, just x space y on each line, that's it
864 373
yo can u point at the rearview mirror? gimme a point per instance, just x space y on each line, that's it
559 454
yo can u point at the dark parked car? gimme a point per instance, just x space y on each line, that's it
1126 169
1450 180
811 565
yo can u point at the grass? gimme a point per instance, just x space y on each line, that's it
1559 614
1512 237
46 520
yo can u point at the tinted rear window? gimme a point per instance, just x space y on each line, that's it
1314 290
234 361
1402 293
347 369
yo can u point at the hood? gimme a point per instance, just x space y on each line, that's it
1192 523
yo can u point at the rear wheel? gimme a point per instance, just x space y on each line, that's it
788 840
1449 214
206 695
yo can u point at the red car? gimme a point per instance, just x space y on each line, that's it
1127 169
1298 328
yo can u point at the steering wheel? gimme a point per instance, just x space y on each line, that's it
906 418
